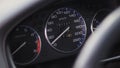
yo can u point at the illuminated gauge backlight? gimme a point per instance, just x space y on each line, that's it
65 30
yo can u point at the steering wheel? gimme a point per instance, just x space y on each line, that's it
99 43
13 11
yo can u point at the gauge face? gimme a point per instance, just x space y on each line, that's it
65 30
25 44
98 18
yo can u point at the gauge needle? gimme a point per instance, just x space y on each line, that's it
61 34
19 48
111 59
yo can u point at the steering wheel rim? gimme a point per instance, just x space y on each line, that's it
100 42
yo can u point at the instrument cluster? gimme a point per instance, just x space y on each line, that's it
53 33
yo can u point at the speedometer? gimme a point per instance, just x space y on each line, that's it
65 30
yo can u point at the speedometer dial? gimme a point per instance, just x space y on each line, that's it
65 30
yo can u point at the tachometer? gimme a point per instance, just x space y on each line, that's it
65 30
25 44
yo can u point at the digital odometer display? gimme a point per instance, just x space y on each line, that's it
65 30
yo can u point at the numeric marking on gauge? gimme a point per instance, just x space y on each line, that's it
76 39
79 26
72 15
62 18
51 37
77 20
50 23
49 30
54 16
66 12
78 33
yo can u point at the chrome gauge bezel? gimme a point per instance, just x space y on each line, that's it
45 32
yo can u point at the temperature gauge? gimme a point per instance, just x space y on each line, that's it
98 17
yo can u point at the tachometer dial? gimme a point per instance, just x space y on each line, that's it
65 30
25 44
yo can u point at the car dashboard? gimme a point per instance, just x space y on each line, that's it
54 35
